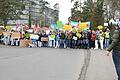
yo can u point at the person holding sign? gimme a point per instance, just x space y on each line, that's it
26 35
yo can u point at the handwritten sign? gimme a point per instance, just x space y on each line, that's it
1 32
15 35
25 43
44 38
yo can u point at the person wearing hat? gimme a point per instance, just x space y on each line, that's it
115 48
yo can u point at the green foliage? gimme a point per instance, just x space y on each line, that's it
10 9
91 11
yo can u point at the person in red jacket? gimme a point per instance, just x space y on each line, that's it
93 38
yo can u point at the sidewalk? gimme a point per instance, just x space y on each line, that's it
101 67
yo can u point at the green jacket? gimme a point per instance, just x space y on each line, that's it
115 41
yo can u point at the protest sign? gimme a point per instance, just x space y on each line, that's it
15 35
44 38
33 36
6 33
25 43
1 31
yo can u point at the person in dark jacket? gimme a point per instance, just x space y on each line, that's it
62 39
115 46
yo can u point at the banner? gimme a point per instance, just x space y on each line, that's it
74 24
84 26
8 27
67 27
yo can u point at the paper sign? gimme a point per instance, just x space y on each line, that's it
25 43
15 35
44 38
1 32
8 27
6 33
33 36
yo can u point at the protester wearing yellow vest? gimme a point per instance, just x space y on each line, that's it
52 39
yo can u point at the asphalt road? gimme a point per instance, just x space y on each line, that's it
40 63
55 64
100 67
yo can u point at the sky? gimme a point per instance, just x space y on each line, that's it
65 9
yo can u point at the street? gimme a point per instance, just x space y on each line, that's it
55 64
40 64
100 67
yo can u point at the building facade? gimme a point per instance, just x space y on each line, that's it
37 13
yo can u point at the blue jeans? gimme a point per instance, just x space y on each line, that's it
62 43
107 41
74 43
68 42
86 43
116 60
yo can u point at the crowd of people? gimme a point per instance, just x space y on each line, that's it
95 39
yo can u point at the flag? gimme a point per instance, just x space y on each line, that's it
18 25
26 27
59 24
35 28
53 26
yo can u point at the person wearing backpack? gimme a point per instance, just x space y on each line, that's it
115 48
